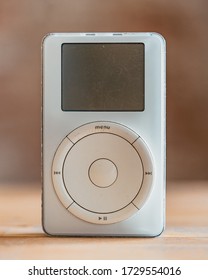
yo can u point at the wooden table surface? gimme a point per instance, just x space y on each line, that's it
185 237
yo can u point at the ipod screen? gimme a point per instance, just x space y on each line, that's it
102 77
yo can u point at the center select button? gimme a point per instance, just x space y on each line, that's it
103 173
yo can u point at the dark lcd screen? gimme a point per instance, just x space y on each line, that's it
102 77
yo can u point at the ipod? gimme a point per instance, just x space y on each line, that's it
103 134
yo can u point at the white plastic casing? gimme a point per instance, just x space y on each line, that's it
77 200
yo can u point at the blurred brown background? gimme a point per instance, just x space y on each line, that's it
23 24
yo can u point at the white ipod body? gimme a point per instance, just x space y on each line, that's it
103 134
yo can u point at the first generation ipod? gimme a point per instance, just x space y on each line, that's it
103 134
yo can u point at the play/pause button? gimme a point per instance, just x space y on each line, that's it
103 218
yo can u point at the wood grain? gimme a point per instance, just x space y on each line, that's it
185 237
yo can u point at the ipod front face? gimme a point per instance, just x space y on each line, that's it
103 134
